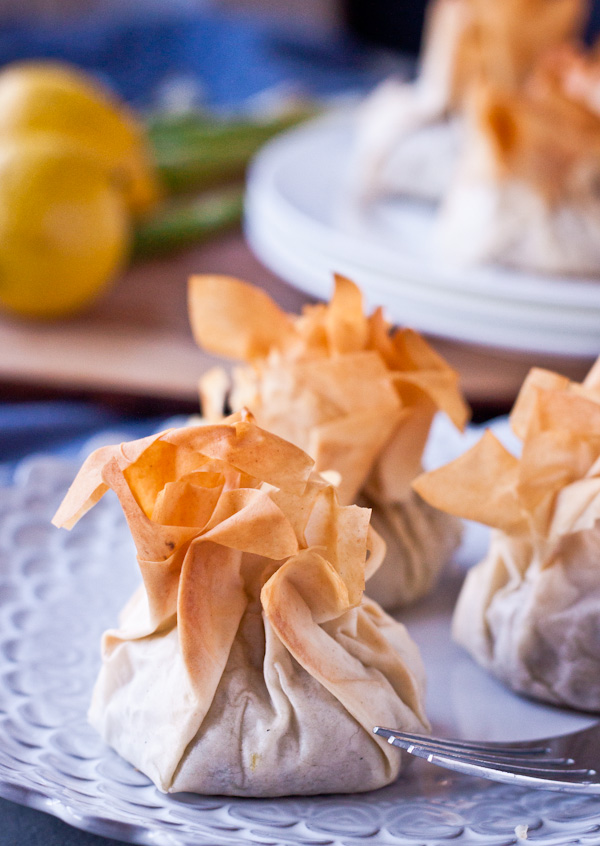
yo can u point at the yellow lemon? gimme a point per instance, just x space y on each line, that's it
64 228
50 97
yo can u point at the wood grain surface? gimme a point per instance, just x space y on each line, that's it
137 341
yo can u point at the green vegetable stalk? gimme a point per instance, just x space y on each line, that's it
201 161
180 224
194 151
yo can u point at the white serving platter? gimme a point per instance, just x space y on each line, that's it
301 223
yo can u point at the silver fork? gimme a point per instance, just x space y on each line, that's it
566 762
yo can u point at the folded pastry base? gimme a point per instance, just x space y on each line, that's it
272 729
420 540
422 164
509 223
536 626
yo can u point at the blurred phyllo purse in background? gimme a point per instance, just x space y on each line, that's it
500 130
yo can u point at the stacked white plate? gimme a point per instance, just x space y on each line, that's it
301 225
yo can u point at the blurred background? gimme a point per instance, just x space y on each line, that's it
129 353
230 57
130 350
127 358
181 37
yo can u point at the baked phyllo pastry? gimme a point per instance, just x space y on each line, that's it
358 398
504 40
526 193
409 135
249 662
530 611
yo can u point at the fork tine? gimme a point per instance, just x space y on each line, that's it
492 752
519 747
558 768
498 761
517 761
505 772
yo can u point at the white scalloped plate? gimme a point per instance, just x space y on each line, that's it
59 590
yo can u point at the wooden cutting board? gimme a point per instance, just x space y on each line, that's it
137 341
